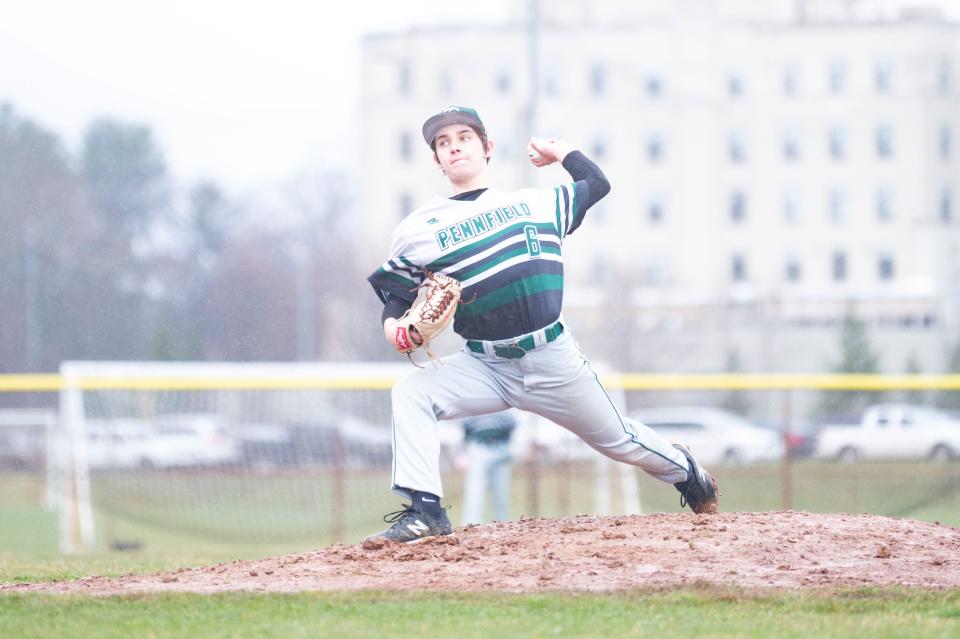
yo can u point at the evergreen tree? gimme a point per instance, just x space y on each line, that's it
914 396
736 401
856 356
950 400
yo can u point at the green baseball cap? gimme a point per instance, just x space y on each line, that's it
451 115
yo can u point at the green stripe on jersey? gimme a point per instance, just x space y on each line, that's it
479 245
573 202
486 265
513 291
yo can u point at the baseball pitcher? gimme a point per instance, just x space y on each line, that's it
491 262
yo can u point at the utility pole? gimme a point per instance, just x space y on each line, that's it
533 69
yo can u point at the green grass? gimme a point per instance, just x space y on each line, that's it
692 613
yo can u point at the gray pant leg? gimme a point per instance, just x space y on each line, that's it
462 386
561 386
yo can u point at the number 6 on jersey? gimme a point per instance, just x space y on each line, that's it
533 241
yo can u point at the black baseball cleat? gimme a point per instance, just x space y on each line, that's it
700 490
411 525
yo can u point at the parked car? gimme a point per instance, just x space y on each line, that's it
165 442
345 440
892 431
714 435
265 446
21 448
800 437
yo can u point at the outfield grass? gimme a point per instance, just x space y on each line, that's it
698 613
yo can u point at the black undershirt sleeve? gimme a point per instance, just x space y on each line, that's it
394 307
592 184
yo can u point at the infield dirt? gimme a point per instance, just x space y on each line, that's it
786 549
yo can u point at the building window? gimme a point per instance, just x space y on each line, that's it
791 81
838 206
504 81
655 150
946 206
600 267
654 86
406 204
598 147
885 267
406 147
404 81
883 78
791 147
884 142
598 80
943 77
738 207
837 77
945 143
737 148
838 143
655 209
738 268
839 266
655 271
446 82
792 270
551 82
599 211
885 205
736 86
791 208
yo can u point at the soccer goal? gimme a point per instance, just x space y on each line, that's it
263 457
221 453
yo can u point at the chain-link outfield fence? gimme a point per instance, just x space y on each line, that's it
284 457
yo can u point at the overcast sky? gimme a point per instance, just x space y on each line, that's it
243 92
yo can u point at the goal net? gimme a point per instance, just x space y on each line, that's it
267 457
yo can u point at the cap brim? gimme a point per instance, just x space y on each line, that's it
432 126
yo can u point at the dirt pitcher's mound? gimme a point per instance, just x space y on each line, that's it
587 553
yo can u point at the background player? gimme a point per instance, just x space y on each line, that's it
505 248
488 465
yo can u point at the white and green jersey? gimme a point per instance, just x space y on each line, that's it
505 248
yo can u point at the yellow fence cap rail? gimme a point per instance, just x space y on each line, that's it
626 381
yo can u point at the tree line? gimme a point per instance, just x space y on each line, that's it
104 257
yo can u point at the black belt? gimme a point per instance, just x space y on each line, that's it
519 348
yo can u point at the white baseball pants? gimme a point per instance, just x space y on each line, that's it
554 381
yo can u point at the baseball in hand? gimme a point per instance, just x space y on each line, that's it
532 152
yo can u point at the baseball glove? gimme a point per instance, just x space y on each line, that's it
431 312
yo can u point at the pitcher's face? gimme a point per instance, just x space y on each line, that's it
460 152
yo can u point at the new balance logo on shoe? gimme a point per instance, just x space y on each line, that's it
418 528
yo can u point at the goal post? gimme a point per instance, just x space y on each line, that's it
240 452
